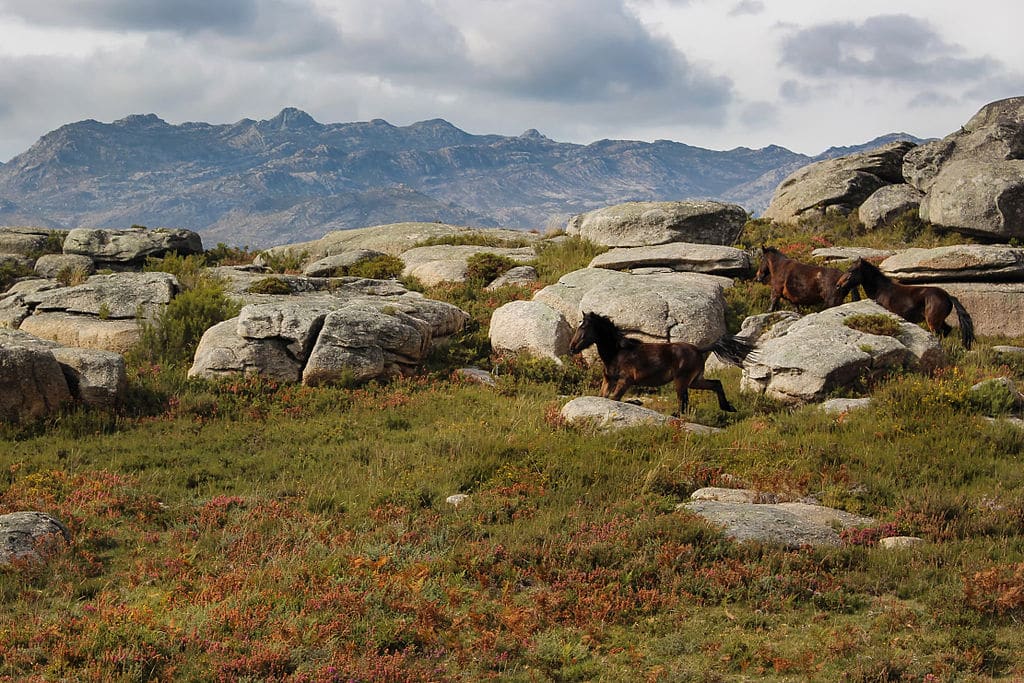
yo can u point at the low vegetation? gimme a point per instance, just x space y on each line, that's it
243 529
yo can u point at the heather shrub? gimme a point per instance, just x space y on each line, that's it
285 261
173 335
873 323
269 285
484 267
555 259
223 255
190 270
69 276
383 267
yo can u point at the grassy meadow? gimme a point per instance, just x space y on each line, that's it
242 530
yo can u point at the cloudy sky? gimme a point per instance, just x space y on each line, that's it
805 74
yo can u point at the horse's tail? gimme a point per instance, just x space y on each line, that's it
731 349
964 319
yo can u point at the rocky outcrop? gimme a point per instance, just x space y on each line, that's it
678 256
519 276
971 181
329 266
837 185
958 262
997 308
392 239
845 255
994 134
652 307
131 247
52 265
531 327
638 224
32 383
26 241
978 197
114 296
450 263
362 342
92 377
888 203
102 313
31 537
358 330
811 356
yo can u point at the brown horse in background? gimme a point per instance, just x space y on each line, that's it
628 362
930 305
800 283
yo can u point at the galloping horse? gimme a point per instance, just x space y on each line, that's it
917 304
628 362
799 283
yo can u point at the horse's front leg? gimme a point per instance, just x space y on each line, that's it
606 384
620 388
774 303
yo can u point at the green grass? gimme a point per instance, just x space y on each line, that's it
246 530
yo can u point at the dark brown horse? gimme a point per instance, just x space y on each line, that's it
930 305
799 283
628 362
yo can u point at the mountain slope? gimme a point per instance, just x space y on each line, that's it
290 178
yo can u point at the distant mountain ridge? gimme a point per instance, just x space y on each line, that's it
290 178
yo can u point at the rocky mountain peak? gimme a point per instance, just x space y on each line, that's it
138 121
291 118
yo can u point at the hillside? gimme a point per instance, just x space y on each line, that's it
291 178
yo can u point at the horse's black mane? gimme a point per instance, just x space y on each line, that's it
605 328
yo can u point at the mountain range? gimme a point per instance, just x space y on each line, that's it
290 178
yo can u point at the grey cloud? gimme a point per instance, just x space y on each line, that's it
759 115
931 98
253 29
797 92
893 47
590 51
747 7
143 15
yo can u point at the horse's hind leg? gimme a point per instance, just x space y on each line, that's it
683 394
715 386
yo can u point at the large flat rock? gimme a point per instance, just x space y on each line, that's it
788 524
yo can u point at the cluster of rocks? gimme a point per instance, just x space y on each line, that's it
347 328
971 181
37 376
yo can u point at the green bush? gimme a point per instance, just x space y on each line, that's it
874 323
69 276
485 267
993 398
475 239
286 261
190 270
172 337
383 267
555 259
10 272
223 255
269 285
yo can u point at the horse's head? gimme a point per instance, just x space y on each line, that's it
764 272
852 278
586 334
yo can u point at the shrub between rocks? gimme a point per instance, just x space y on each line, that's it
873 324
